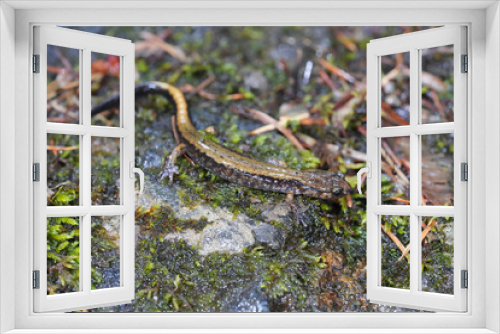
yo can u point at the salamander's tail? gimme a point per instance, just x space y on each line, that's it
153 87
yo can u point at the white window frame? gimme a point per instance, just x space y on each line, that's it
413 44
483 102
86 43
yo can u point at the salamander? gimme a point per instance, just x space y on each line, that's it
230 165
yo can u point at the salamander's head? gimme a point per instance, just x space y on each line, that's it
325 184
340 187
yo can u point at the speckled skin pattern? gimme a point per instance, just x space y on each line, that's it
233 166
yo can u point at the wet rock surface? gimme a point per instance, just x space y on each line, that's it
225 232
270 235
221 236
225 236
251 299
110 277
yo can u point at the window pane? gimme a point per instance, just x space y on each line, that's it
395 170
395 86
437 84
437 169
437 254
105 171
63 84
63 170
395 257
105 83
63 255
106 252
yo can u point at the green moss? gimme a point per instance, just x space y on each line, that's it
63 255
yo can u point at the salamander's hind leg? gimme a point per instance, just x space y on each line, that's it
169 168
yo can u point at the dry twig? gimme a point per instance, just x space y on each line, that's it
394 238
391 116
332 148
326 79
54 149
266 119
154 43
337 71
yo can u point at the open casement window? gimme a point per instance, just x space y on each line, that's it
416 144
83 166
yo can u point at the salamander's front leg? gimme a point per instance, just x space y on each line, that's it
169 167
294 206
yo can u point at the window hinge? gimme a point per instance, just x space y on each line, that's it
36 63
465 279
36 172
465 64
464 171
36 279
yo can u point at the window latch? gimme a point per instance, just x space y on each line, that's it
134 170
367 170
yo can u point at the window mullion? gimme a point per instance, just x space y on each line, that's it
418 154
67 129
101 131
109 210
85 187
66 211
414 171
433 129
405 210
392 131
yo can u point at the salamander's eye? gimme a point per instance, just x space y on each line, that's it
337 192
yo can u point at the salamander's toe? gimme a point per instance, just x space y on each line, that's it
168 171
